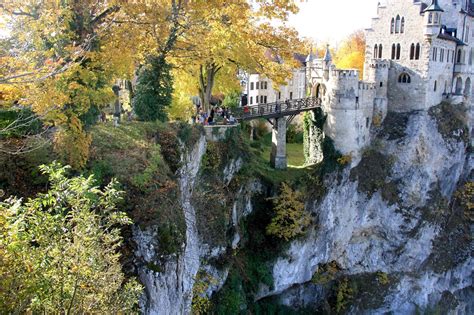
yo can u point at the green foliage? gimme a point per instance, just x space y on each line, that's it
326 273
232 100
59 250
170 238
293 134
201 303
290 220
18 123
344 295
231 298
382 278
153 94
91 117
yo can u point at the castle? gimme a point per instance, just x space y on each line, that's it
418 53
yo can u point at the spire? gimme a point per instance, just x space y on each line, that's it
310 57
433 7
327 55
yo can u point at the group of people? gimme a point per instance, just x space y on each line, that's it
217 116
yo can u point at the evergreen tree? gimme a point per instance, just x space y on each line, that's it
290 218
154 90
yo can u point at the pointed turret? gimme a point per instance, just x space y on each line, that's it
310 57
433 7
327 55
433 16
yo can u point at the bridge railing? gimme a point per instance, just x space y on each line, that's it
276 109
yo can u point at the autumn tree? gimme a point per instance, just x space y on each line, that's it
63 56
230 35
290 219
351 53
59 250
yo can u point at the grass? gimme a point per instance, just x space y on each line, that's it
294 151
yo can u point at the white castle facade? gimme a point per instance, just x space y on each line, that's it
418 54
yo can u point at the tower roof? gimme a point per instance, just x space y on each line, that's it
433 7
327 54
310 56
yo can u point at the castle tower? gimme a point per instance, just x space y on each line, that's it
327 61
432 18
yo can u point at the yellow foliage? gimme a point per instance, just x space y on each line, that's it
72 143
351 54
290 218
345 159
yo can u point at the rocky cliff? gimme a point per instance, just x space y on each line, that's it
390 233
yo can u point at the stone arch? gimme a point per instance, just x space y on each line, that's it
458 90
467 87
319 90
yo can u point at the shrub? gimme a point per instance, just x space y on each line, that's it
290 218
60 250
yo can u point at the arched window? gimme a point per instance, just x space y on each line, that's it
404 78
417 51
392 26
459 56
393 51
458 86
436 16
399 49
435 85
380 51
397 24
376 50
467 87
412 51
430 18
402 27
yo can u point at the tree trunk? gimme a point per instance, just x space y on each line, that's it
207 75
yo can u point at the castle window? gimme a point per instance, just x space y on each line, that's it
393 51
435 85
367 120
266 85
412 51
380 51
435 54
251 100
397 24
251 86
430 18
265 99
376 51
436 18
399 49
459 56
381 84
291 95
261 99
392 26
404 78
279 95
466 39
417 51
257 85
402 26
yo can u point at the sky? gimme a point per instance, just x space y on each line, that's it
330 21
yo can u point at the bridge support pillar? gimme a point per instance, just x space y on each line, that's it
278 158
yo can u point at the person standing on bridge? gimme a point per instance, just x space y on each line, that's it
288 104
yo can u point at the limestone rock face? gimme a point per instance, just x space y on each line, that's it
365 233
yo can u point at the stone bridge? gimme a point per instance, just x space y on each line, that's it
280 115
